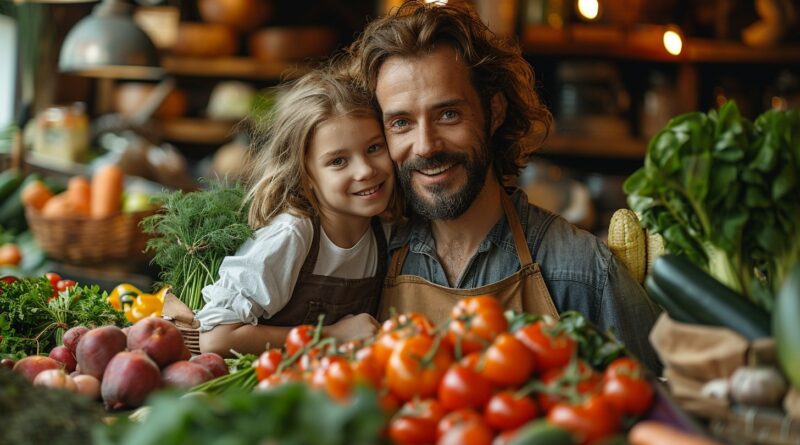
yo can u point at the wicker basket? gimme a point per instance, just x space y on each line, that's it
84 240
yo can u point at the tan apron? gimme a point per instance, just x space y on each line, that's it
523 291
316 295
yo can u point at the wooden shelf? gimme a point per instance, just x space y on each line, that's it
644 43
197 130
237 67
562 145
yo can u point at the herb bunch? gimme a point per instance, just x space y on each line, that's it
193 233
32 321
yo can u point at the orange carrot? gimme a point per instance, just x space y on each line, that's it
60 206
107 184
35 195
80 194
651 432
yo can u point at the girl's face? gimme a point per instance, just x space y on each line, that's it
352 175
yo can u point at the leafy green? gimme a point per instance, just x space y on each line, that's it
193 233
724 192
32 322
290 414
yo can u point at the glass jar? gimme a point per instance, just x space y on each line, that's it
62 133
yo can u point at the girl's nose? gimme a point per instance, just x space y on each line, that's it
364 169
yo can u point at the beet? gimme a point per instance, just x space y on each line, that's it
30 366
72 337
129 378
183 374
160 339
97 347
65 356
211 361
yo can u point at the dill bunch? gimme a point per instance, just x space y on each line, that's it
193 233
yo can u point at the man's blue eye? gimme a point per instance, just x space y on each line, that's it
449 114
400 123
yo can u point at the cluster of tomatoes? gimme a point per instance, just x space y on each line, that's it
470 381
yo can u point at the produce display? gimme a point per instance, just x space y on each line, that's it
486 376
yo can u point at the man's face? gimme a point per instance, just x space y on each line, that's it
436 131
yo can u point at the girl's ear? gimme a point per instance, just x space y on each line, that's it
498 106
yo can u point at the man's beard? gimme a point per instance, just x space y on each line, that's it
440 204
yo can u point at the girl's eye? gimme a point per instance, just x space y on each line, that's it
374 148
338 162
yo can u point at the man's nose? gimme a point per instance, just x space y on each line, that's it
428 141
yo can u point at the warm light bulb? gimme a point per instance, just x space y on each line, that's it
438 2
588 9
673 42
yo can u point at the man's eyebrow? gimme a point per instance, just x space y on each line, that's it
387 115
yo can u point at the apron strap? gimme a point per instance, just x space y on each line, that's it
520 241
311 259
380 239
398 258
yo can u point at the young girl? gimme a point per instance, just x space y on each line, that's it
320 178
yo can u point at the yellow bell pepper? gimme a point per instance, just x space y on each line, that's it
122 294
145 305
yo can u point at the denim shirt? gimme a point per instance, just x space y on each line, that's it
579 270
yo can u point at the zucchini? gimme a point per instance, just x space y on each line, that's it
786 326
667 302
539 432
10 181
12 213
707 300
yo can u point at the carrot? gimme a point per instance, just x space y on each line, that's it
60 206
35 195
651 432
79 192
107 184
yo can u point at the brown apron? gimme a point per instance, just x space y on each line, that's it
316 295
523 291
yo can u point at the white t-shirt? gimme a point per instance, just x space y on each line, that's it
258 280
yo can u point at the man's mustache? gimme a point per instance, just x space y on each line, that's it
436 160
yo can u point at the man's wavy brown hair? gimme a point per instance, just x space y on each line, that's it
416 28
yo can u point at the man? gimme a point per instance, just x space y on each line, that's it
459 112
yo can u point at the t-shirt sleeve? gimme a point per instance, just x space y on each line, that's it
257 281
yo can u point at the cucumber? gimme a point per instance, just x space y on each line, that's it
10 181
12 213
539 432
707 300
786 326
675 311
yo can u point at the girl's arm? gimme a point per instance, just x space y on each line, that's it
243 338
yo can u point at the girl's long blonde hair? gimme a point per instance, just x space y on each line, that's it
278 176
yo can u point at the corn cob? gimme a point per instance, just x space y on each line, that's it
655 248
627 240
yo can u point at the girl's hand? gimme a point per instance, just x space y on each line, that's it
352 327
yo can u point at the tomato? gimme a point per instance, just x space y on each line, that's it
267 363
507 411
505 437
507 362
585 381
285 376
8 279
550 349
416 422
407 373
591 420
298 338
456 417
64 285
10 255
472 432
475 322
388 402
462 387
338 378
366 368
54 278
626 388
396 329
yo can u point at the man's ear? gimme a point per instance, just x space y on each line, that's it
498 106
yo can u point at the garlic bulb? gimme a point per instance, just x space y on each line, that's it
757 385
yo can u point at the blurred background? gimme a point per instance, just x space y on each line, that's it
612 72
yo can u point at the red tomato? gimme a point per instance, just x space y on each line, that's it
398 328
366 368
474 432
461 387
550 349
626 388
54 278
338 378
408 376
475 322
8 279
505 437
388 402
63 285
593 419
587 381
298 337
506 411
456 417
416 422
267 363
507 362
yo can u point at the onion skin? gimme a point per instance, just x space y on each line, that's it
55 378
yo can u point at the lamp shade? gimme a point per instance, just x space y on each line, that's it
108 43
